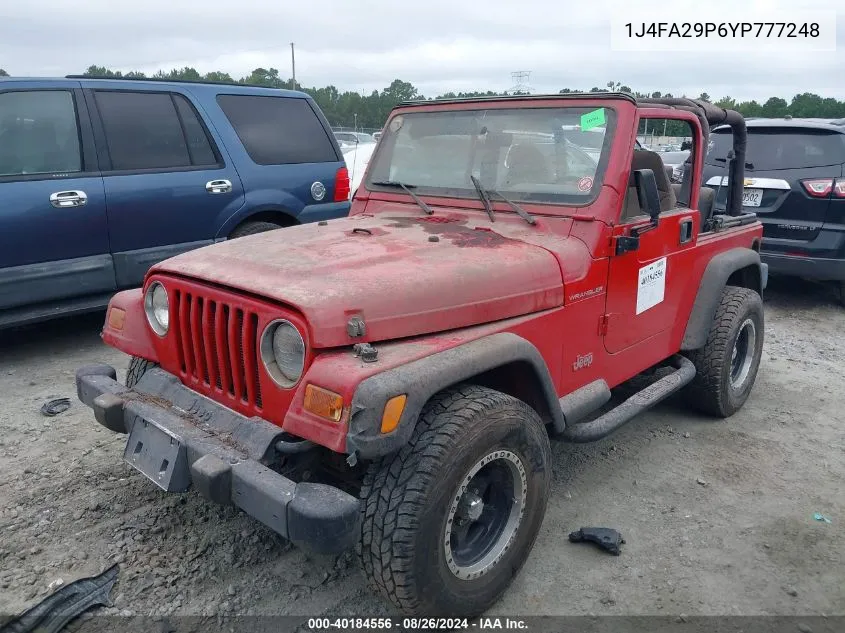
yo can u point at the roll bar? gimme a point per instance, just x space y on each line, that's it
710 115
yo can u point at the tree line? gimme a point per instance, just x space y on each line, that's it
350 108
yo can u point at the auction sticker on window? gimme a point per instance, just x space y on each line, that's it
651 285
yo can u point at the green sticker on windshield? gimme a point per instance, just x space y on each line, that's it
592 119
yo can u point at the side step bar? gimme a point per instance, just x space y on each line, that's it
633 406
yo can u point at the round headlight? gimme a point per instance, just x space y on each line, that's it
283 353
157 308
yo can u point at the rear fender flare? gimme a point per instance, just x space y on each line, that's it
741 263
421 379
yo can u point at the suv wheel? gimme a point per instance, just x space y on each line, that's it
137 368
727 364
252 228
449 519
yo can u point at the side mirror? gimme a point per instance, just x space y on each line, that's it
646 186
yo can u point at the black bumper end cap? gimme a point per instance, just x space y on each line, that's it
108 411
212 477
323 519
98 369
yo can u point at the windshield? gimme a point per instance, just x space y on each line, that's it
781 148
530 155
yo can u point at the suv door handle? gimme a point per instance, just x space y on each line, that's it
686 230
218 186
62 199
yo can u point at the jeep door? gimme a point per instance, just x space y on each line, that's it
54 242
646 281
169 184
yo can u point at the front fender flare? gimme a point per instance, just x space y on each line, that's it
126 326
713 281
423 378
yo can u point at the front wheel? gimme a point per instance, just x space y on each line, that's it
727 364
449 520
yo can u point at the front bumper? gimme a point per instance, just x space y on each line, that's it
178 438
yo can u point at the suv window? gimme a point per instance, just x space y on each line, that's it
781 148
278 130
144 130
38 133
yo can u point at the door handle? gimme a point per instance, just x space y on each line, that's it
686 230
63 199
218 186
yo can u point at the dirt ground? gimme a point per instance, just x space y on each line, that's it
717 515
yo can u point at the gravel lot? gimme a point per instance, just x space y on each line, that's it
717 515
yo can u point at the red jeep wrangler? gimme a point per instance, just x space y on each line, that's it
390 381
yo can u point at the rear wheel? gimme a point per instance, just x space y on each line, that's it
137 368
727 364
252 228
449 520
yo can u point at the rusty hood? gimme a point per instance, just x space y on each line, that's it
404 273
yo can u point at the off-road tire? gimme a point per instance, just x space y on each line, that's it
252 228
712 391
137 368
406 499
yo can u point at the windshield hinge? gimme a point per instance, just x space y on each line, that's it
603 319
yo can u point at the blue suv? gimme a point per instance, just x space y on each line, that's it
102 178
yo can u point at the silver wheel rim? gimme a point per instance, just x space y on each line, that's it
485 514
742 355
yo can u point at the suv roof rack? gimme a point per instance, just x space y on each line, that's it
176 81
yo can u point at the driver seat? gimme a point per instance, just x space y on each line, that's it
646 159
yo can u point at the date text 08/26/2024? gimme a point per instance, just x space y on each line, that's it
413 624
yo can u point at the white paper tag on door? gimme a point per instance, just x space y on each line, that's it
651 285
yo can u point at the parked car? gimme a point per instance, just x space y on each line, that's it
377 135
795 182
101 178
354 138
675 160
357 158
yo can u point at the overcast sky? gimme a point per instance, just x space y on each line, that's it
438 45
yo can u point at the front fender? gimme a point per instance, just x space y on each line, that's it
423 378
126 326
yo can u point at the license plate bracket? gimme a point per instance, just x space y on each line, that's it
159 455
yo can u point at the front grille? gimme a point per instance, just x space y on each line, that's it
218 348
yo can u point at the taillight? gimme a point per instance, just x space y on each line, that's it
818 187
839 188
341 185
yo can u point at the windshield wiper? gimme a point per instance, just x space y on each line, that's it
488 207
393 183
484 193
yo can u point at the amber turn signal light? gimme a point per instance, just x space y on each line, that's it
392 412
116 318
327 404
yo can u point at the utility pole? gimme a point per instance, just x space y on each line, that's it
293 65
